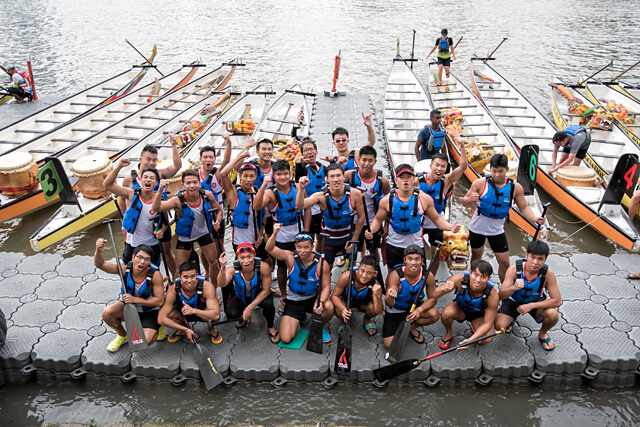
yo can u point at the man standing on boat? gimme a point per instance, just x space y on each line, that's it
307 166
443 44
524 290
348 158
404 208
432 139
575 142
493 196
21 85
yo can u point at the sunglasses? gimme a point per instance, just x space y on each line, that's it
142 258
341 140
248 166
302 238
246 249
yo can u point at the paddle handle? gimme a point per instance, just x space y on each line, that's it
115 250
425 277
544 211
449 350
598 72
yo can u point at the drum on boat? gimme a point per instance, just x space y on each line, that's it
91 171
175 182
577 176
18 174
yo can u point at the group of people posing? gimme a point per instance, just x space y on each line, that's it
298 222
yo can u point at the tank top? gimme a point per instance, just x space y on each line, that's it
369 194
403 240
145 228
213 184
484 225
199 223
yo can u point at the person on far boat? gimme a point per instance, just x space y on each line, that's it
575 141
444 44
194 298
432 139
493 196
22 88
348 158
633 211
249 280
144 289
308 166
524 290
476 301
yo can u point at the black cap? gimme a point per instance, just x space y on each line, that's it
444 32
413 249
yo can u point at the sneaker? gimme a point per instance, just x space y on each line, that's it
162 334
326 336
116 343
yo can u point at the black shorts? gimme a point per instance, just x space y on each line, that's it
358 303
268 226
127 254
167 236
435 234
333 247
469 317
149 319
18 91
377 239
220 233
395 256
316 224
510 308
261 251
497 243
203 240
582 152
391 323
193 318
289 246
297 309
444 61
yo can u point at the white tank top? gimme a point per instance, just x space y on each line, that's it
403 240
484 225
199 228
145 228
244 235
216 185
369 195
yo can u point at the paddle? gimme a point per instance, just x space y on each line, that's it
145 58
210 375
494 50
391 371
623 180
584 82
366 219
544 211
316 326
624 72
400 337
343 352
133 325
528 168
214 211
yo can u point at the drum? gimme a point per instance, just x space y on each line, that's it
18 174
577 176
175 182
91 171
478 156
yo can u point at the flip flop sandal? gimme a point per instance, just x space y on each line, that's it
510 327
217 338
174 337
445 344
416 338
544 341
275 338
370 326
633 276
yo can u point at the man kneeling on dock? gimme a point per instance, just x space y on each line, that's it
190 299
523 291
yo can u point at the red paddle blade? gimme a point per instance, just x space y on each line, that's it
388 372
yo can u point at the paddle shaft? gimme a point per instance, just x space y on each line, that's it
494 50
598 72
218 242
458 347
141 54
282 123
255 217
366 218
624 72
456 46
115 251
413 45
544 211
322 245
424 282
5 70
354 254
314 341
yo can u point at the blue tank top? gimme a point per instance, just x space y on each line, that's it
146 289
197 301
407 292
303 280
496 203
358 297
337 215
242 213
184 224
286 213
239 285
405 218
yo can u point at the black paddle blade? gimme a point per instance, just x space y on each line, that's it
208 371
135 332
391 371
314 341
398 342
343 353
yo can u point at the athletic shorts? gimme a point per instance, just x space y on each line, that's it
358 303
289 246
333 247
395 256
469 317
435 234
149 319
268 226
510 308
18 91
297 309
204 240
444 61
377 239
497 243
391 323
582 152
127 254
316 224
194 318
220 233
167 236
261 251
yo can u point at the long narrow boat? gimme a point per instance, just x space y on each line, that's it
628 89
482 135
115 138
71 219
65 110
289 110
406 112
526 125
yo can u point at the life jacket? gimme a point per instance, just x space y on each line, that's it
407 293
197 301
444 45
184 224
362 294
497 204
337 215
206 184
317 179
407 220
532 291
259 174
377 188
472 305
351 161
135 184
25 83
243 210
435 141
303 280
286 212
573 130
238 282
435 191
132 214
146 289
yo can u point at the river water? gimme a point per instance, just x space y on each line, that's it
74 44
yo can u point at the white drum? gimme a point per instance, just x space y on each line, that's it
91 171
18 174
175 182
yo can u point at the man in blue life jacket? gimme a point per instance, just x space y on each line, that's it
195 221
476 301
493 196
144 289
338 204
524 290
403 284
22 89
444 44
264 161
366 294
149 159
404 208
575 142
432 139
249 283
303 268
348 158
194 298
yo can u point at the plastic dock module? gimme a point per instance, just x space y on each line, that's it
507 359
411 350
57 353
161 361
16 353
220 353
255 357
458 366
100 363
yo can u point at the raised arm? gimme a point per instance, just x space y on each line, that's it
225 275
259 200
160 205
473 195
173 169
276 252
457 173
99 262
435 217
109 182
228 147
371 133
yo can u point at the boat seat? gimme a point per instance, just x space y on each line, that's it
96 96
403 153
512 116
67 112
401 84
475 124
148 96
414 119
42 151
67 140
410 129
104 120
128 138
403 91
445 92
530 137
605 156
84 104
408 109
402 140
158 118
118 112
524 126
29 131
284 121
472 135
482 82
136 103
446 84
446 107
84 130
405 100
179 110
604 141
508 106
10 142
510 98
110 89
57 122
113 150
464 98
494 90
140 127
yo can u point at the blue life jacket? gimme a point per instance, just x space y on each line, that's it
184 224
357 297
435 191
146 290
438 140
407 293
244 208
317 179
337 215
407 219
197 301
472 305
444 44
132 214
259 174
135 185
286 213
571 131
303 280
497 203
238 282
377 187
206 184
351 161
532 291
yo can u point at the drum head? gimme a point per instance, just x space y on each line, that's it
16 162
90 165
186 164
576 172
